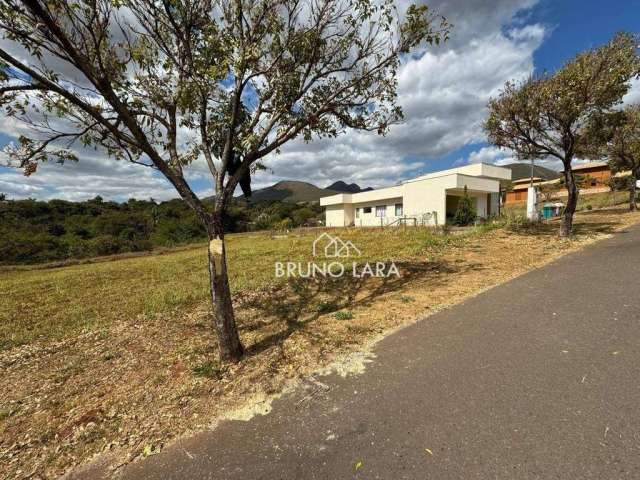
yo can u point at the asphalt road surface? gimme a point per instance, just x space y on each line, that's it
537 378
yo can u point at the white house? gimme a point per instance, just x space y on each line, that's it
426 200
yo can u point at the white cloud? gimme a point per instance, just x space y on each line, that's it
633 95
444 95
503 156
495 155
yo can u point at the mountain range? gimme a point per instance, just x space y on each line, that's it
341 186
523 170
293 191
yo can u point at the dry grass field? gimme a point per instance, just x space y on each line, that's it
118 356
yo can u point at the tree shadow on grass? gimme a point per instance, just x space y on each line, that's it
301 301
551 228
594 228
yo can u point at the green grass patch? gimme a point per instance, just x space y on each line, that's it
209 369
52 303
343 315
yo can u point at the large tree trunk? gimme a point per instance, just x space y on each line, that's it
231 348
632 192
566 227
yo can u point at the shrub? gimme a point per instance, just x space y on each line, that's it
343 315
466 213
207 369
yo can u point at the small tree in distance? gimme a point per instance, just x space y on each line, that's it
465 213
547 116
620 144
164 83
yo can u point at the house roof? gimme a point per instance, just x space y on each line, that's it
456 177
527 180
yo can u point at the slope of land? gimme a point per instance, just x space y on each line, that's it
523 170
120 357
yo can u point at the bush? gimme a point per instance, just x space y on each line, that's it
343 315
466 213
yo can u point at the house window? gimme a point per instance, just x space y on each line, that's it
381 211
357 213
399 210
367 209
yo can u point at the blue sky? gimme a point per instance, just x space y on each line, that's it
443 92
580 24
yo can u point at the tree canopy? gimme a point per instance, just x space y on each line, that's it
548 115
163 83
616 137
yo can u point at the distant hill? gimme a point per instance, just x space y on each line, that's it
523 170
291 191
341 186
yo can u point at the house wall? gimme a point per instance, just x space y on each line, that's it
362 219
335 216
494 199
423 198
516 196
427 196
480 202
597 177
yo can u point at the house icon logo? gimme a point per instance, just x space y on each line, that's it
329 246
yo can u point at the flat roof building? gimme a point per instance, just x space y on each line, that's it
427 200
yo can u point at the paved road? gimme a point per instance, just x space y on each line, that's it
537 378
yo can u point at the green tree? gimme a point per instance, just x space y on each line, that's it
465 213
164 83
547 116
618 137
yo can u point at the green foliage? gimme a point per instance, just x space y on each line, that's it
548 115
551 115
466 213
343 315
231 82
618 184
34 231
209 369
619 141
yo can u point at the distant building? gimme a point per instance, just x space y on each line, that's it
426 200
518 192
594 175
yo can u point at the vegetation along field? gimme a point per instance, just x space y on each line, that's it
118 356
37 231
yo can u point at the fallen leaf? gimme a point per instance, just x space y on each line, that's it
359 465
428 451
